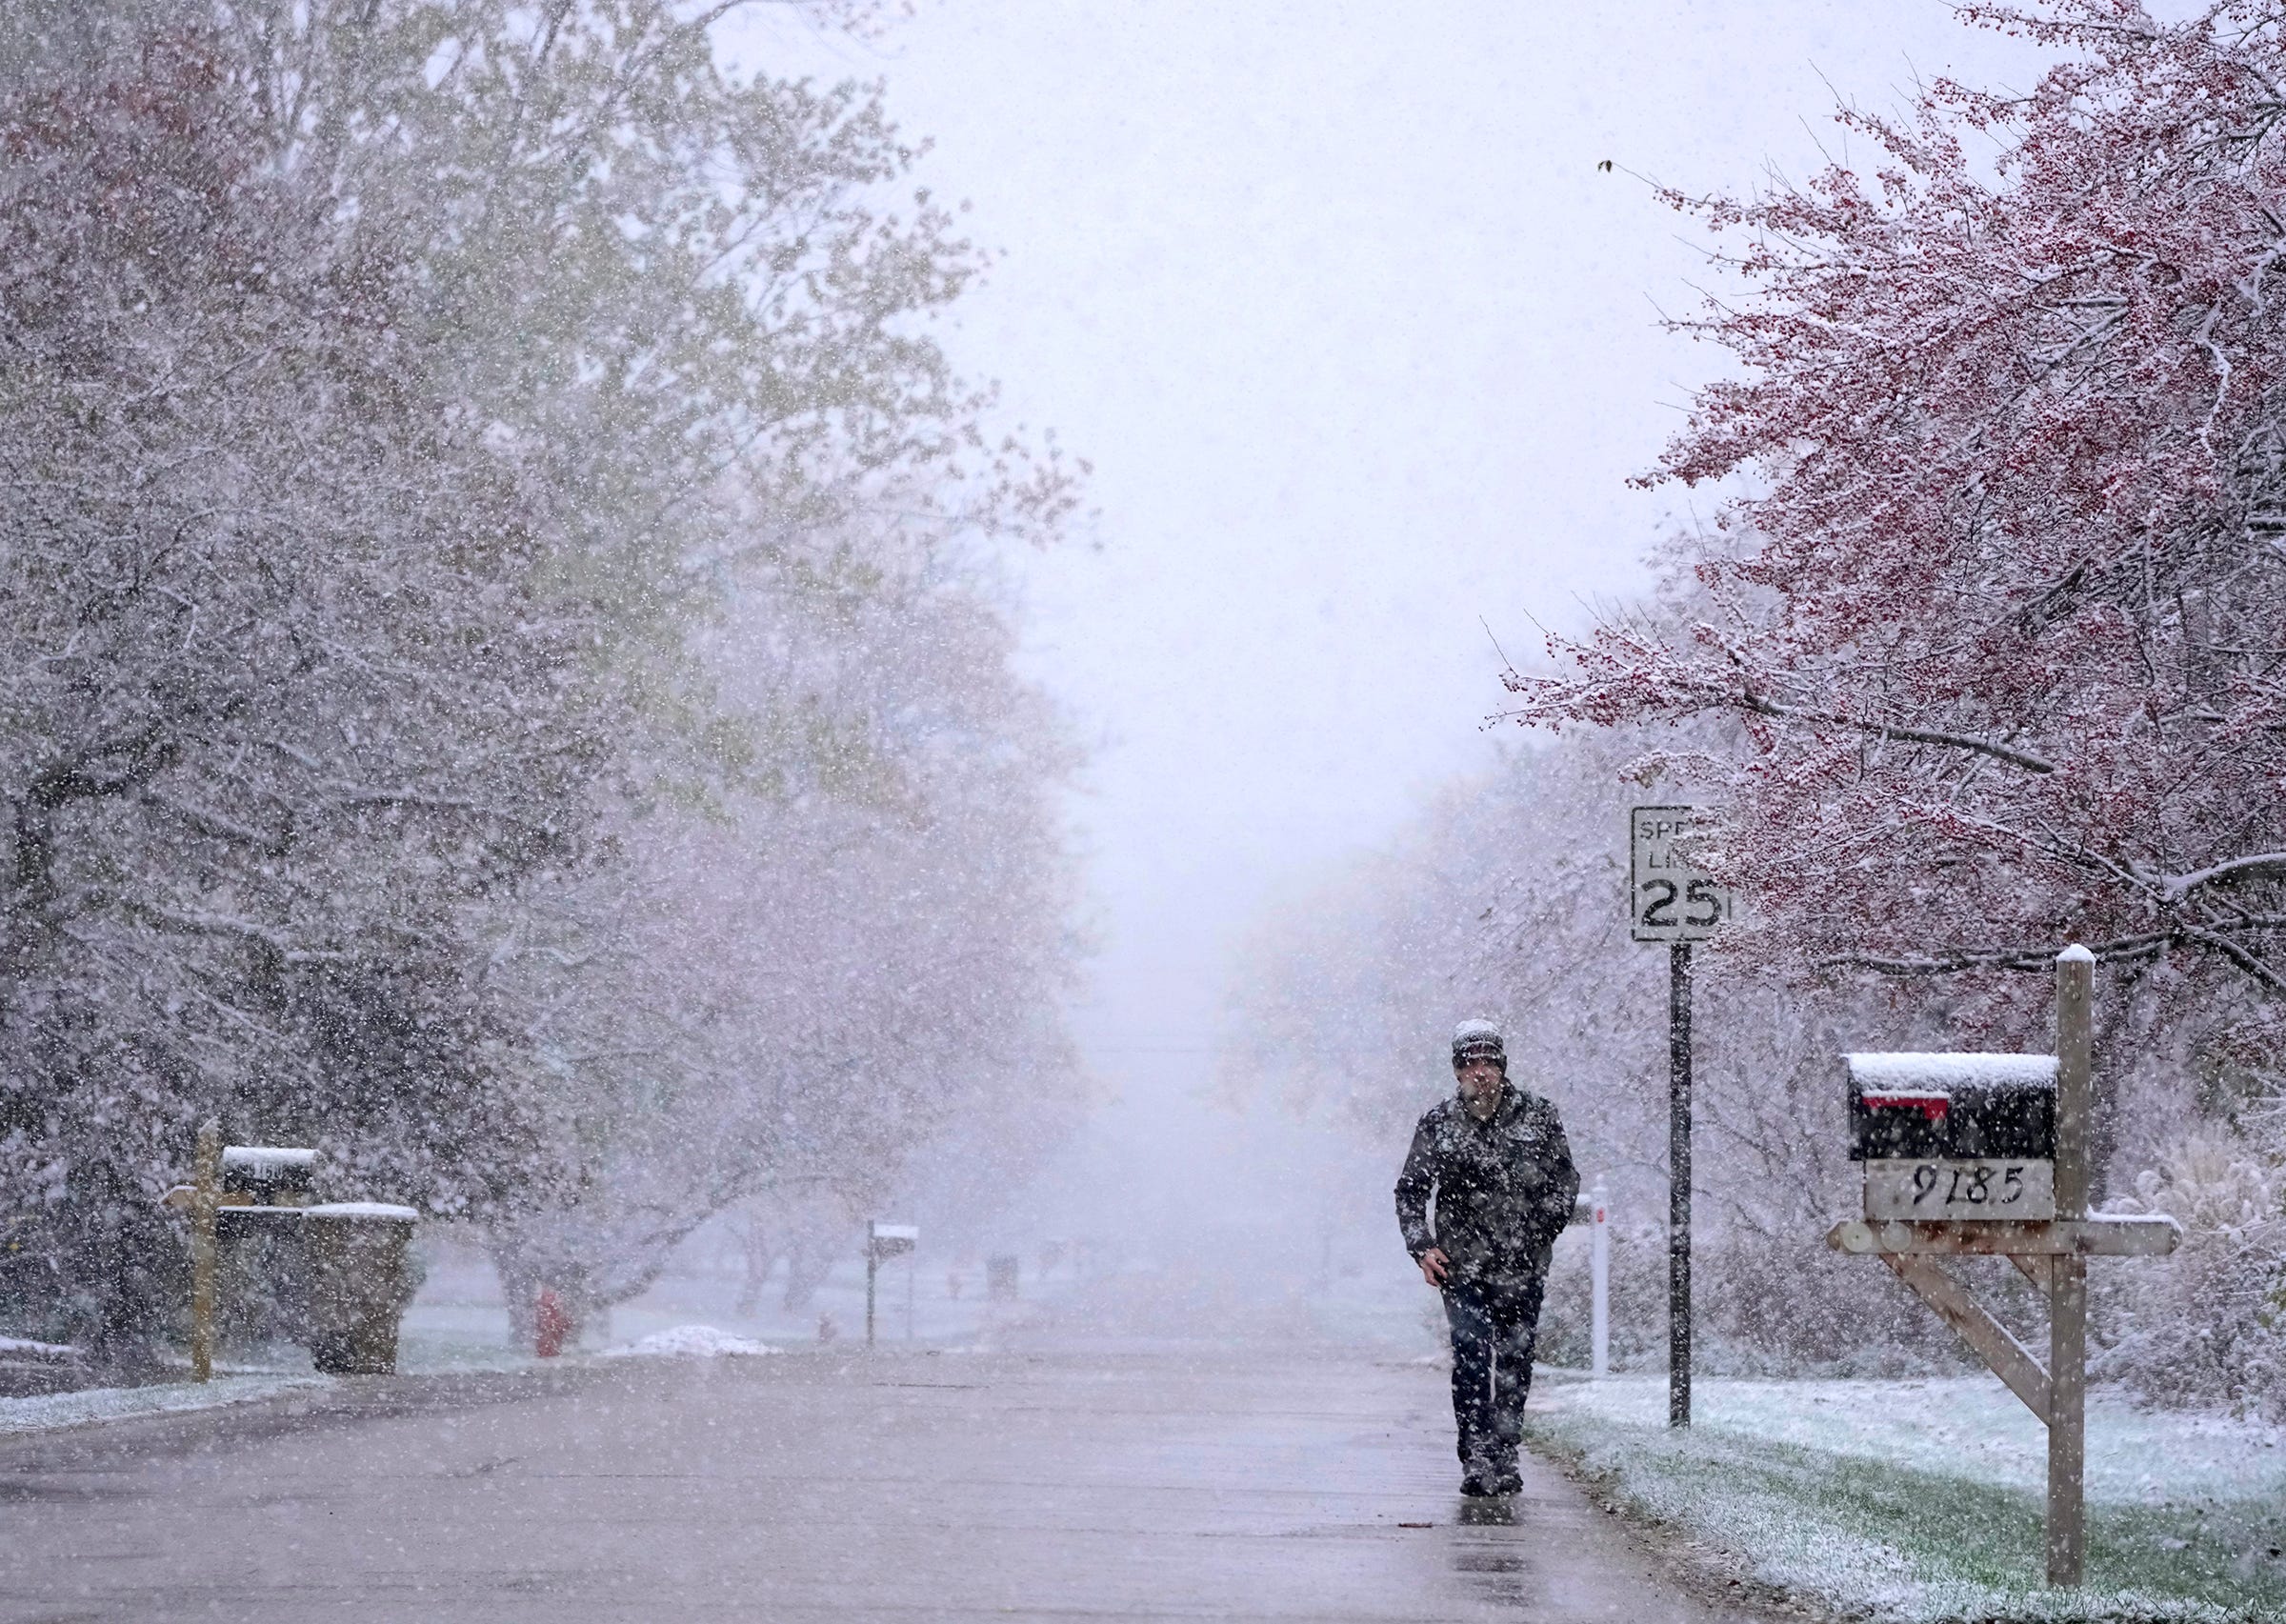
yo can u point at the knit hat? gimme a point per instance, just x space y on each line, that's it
1478 1040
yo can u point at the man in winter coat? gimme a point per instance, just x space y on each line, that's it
1494 1160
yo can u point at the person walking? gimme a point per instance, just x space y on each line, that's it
1493 1160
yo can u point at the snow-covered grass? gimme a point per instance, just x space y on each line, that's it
459 1323
79 1408
1922 1500
690 1342
42 1353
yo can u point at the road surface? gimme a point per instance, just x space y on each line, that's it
1074 1479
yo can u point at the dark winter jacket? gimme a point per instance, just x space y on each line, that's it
1503 1189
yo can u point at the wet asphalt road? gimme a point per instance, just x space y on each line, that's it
1074 1479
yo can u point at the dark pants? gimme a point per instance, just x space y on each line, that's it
1494 1323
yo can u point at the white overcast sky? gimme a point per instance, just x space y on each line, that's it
1364 348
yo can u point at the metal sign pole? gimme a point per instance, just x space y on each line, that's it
2067 1276
1678 1188
872 1271
1672 901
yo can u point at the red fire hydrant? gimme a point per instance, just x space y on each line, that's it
550 1325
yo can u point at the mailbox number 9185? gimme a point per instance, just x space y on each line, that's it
1966 1186
1972 1186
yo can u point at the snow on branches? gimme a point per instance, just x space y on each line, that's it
492 654
2000 614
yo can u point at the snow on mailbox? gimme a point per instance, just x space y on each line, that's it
266 1175
1955 1136
889 1240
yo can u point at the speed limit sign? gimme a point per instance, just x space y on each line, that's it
1668 899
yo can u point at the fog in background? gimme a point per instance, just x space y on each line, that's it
1363 345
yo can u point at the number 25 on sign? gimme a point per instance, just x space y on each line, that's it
1668 899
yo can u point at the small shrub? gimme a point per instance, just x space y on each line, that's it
2207 1326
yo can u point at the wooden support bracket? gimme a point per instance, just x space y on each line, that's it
2010 1360
2039 1270
2059 1237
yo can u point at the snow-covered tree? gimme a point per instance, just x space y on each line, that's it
406 411
287 710
824 971
1997 598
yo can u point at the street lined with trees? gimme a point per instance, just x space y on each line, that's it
528 802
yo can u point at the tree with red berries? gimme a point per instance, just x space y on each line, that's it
1996 608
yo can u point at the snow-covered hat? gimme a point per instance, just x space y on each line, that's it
1478 1040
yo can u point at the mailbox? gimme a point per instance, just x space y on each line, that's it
888 1240
1955 1136
1000 1276
891 1240
266 1175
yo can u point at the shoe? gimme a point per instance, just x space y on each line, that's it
1476 1488
1506 1481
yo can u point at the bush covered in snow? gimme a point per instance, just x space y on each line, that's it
690 1342
2207 1326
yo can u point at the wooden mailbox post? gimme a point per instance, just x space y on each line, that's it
205 1198
1987 1155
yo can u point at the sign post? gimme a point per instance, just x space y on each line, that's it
1670 901
1678 1184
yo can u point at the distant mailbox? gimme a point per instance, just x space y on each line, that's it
892 1240
1955 1136
881 1241
1000 1277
